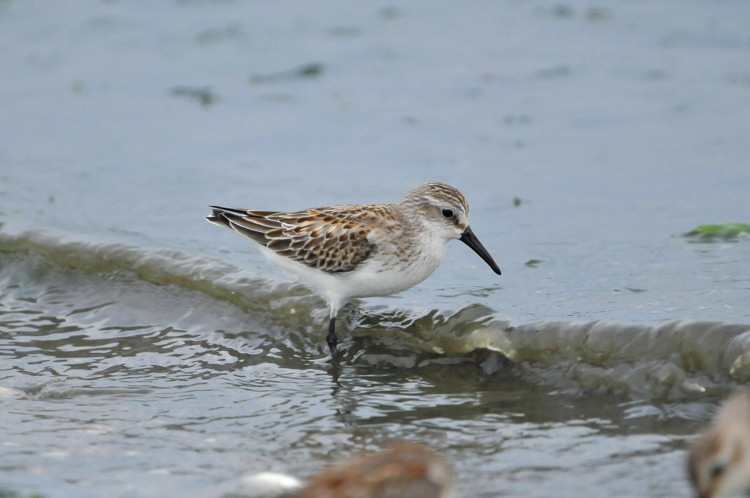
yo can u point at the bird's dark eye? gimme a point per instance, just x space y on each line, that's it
717 471
448 213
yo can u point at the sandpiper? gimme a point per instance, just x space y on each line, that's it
719 462
354 251
403 470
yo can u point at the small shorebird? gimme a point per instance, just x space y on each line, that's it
404 470
346 252
719 462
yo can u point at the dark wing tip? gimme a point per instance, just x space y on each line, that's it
242 221
221 215
222 209
218 219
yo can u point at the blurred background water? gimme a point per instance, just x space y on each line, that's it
148 353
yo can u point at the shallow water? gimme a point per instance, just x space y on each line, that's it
146 352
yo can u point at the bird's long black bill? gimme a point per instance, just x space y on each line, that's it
472 241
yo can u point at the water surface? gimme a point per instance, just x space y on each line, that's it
146 352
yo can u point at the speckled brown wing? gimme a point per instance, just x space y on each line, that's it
331 239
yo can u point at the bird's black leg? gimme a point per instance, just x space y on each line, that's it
331 337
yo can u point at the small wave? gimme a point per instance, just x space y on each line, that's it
665 360
671 359
213 277
675 359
